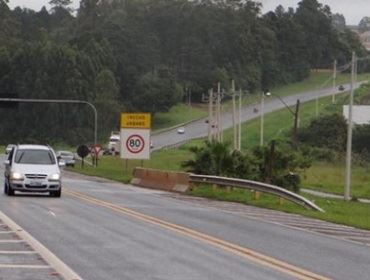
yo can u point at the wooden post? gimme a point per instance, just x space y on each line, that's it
281 200
257 195
295 128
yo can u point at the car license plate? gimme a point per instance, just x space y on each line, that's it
35 183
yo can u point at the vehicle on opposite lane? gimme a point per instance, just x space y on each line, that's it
9 148
67 157
32 168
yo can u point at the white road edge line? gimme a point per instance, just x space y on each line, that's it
65 271
52 213
24 266
18 252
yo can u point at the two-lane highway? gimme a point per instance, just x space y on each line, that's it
106 230
199 128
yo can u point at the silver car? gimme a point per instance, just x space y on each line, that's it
9 148
32 168
67 157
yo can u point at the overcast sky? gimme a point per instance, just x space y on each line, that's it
353 10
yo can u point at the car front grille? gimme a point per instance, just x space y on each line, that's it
36 187
36 176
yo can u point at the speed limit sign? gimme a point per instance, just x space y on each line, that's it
135 143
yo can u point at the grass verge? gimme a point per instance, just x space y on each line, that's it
337 211
329 177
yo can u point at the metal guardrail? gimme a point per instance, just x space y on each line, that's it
257 186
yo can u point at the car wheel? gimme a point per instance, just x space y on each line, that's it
10 191
56 193
5 188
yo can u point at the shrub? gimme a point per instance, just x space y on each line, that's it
325 132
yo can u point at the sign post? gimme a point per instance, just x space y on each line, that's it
135 135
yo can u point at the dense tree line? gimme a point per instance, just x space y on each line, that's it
140 55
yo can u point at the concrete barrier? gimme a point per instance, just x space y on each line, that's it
161 180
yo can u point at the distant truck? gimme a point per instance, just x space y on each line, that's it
114 146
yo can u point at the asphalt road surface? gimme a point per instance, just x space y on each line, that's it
199 129
107 230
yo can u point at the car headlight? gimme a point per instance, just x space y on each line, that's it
16 176
54 177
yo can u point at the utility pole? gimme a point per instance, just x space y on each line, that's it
234 115
219 112
334 81
210 114
262 117
347 187
240 121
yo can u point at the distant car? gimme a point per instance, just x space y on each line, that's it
9 148
32 168
151 144
181 130
114 144
341 88
67 157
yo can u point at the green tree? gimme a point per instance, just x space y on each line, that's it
361 138
107 101
315 20
156 92
364 24
327 131
338 21
213 159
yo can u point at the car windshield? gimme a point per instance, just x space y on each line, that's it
34 157
114 139
66 154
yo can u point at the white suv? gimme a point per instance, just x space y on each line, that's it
32 168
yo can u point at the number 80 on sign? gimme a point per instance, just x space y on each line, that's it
135 144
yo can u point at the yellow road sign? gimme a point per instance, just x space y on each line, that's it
135 120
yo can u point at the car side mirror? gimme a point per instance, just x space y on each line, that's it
7 162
